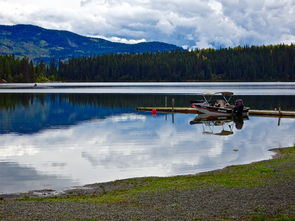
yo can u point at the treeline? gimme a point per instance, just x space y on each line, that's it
22 70
255 63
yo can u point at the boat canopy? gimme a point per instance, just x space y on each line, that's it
226 95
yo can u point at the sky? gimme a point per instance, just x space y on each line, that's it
186 23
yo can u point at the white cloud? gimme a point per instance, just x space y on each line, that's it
120 40
196 23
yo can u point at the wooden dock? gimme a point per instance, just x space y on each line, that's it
183 110
272 113
190 110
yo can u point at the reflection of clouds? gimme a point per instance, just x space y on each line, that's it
215 151
132 145
17 178
17 150
127 117
58 164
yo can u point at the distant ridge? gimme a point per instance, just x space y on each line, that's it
38 43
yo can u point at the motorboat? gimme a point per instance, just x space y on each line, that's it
226 124
219 107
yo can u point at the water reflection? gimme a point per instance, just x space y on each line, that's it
31 113
21 178
224 124
60 141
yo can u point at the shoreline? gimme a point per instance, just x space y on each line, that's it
45 193
264 189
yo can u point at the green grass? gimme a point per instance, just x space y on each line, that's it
265 218
251 175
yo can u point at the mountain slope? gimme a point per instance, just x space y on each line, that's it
38 43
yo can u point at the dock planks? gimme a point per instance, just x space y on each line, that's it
190 110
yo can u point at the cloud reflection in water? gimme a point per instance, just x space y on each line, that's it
131 145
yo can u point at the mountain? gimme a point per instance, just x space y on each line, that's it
38 43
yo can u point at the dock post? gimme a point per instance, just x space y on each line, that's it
166 106
172 117
279 121
173 102
165 101
280 115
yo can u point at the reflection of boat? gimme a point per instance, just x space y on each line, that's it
219 107
227 123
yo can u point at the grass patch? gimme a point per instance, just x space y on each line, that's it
112 197
251 175
265 218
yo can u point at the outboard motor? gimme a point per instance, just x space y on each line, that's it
239 107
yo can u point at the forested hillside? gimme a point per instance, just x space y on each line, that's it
256 63
44 44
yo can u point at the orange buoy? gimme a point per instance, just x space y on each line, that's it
154 112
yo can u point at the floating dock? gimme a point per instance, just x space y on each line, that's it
183 110
272 113
190 110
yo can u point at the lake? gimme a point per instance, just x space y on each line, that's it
58 136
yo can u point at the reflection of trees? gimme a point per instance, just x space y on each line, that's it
11 101
269 102
121 100
30 113
136 100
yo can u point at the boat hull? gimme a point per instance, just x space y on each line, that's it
218 111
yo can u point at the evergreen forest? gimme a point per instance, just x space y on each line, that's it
255 63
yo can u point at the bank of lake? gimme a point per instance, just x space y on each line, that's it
258 191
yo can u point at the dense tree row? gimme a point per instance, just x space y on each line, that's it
256 63
23 70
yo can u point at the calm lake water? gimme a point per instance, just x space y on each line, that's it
62 136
